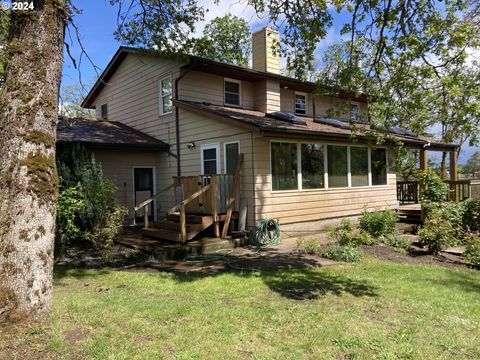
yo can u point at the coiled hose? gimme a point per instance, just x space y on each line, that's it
265 234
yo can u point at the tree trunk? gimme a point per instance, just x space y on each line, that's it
443 166
28 175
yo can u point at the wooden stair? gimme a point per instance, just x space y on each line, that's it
169 228
410 216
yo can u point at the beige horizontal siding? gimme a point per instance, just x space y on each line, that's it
310 205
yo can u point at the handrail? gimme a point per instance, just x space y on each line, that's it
148 201
189 199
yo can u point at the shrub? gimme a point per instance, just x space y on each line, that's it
86 210
310 246
344 234
434 189
364 238
344 253
437 234
450 212
471 214
379 223
397 241
472 250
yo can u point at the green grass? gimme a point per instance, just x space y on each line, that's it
369 310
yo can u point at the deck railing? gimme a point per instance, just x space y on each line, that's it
408 192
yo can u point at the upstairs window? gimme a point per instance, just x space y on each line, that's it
104 112
233 89
165 91
354 114
300 104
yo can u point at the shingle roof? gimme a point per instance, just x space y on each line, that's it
105 134
258 121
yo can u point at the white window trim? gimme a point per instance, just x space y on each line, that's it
325 165
101 111
225 152
240 92
215 146
160 97
154 171
295 102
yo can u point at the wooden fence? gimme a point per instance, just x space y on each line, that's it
409 192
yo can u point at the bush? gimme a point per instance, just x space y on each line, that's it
344 253
451 212
345 233
379 223
434 189
397 241
310 246
472 250
471 214
364 238
437 234
86 207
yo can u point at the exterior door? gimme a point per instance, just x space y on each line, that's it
143 189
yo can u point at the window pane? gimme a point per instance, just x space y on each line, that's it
337 166
231 158
284 166
359 165
232 99
167 104
312 166
209 167
354 113
300 104
209 154
166 87
379 166
232 87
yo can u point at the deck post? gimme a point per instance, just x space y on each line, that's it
216 225
145 216
454 175
423 160
183 223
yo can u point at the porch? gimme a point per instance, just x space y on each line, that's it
202 202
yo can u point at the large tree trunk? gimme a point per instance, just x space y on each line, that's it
28 176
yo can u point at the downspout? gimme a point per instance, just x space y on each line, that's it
177 120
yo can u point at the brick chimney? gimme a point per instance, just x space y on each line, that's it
265 52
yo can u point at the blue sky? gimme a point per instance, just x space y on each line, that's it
97 22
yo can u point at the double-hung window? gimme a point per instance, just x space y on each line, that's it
210 159
354 113
232 92
300 103
165 98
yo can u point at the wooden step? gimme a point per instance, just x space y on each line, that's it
191 218
174 225
166 234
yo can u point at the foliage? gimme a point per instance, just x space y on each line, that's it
310 246
437 234
346 253
4 23
472 250
71 99
472 167
364 238
344 234
406 164
225 39
379 223
87 211
471 214
433 187
397 241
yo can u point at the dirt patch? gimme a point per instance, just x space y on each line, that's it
416 256
76 336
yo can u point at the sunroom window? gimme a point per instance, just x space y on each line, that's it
379 166
359 165
312 166
284 166
337 166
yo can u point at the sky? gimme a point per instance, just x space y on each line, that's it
97 23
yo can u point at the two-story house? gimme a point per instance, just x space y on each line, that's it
160 118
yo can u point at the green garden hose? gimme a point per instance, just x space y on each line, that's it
265 234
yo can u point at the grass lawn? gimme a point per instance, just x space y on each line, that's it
371 310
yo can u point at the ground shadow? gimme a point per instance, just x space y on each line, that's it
309 285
